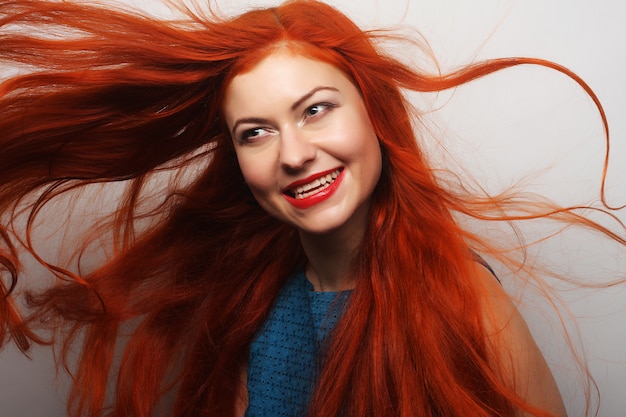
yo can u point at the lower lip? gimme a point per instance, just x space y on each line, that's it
310 201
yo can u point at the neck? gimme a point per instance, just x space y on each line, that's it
330 255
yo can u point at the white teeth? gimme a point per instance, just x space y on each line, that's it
316 185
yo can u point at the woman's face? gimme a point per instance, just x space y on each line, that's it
304 142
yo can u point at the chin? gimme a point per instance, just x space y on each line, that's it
321 228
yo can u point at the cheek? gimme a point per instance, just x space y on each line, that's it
362 143
258 181
256 172
368 151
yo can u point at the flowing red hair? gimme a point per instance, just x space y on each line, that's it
119 96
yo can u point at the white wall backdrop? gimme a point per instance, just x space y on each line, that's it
502 128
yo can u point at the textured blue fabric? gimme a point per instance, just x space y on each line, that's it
285 355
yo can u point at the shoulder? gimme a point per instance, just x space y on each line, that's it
512 345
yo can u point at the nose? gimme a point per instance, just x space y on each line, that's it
296 149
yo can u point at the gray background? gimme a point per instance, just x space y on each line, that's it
501 129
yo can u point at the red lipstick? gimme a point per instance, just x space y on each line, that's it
315 198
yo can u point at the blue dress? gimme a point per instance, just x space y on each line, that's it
286 353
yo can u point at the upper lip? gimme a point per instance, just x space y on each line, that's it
291 187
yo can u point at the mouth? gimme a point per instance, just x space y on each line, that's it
308 187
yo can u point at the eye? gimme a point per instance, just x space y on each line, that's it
254 134
317 109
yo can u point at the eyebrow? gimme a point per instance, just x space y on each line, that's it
294 106
308 95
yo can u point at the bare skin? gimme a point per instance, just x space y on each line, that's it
330 254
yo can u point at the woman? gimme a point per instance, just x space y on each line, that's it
312 266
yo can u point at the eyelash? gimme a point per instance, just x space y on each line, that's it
326 106
246 135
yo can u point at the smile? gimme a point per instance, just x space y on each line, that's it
317 185
313 190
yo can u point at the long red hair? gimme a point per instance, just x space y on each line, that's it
119 97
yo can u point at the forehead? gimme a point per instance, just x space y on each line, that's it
282 76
